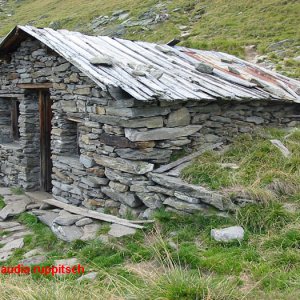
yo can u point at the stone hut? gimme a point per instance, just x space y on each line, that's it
92 119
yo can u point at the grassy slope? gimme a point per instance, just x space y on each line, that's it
223 25
175 258
262 170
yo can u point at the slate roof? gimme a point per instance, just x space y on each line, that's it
149 71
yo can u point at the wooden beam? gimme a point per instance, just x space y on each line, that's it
91 213
185 159
36 86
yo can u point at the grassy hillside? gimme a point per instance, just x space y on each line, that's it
210 24
175 258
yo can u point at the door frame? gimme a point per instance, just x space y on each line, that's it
46 115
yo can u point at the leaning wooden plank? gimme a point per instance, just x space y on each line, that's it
90 213
178 162
283 149
176 171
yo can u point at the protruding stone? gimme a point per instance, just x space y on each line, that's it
161 133
117 230
127 198
180 117
204 68
228 234
124 165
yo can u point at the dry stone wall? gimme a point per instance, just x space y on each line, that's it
106 145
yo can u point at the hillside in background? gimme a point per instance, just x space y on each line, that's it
262 31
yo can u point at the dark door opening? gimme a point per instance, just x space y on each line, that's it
45 140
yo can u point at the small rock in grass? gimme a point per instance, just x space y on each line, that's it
89 276
117 230
228 234
34 260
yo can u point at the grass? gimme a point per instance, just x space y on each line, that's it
148 266
2 203
176 258
17 190
263 173
214 25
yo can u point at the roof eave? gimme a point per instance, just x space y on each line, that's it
12 41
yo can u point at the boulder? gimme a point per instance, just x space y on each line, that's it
228 234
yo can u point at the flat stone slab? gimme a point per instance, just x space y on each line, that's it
11 199
5 255
84 221
89 276
67 233
164 133
6 225
33 252
4 191
133 167
34 260
47 218
15 236
15 228
14 208
15 244
90 231
68 262
191 190
38 196
67 220
228 234
117 230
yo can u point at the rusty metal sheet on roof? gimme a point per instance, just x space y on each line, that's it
148 71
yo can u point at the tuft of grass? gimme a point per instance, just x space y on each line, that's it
261 218
2 203
17 190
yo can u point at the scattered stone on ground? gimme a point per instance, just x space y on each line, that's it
67 233
117 230
33 252
90 231
4 191
68 262
34 260
89 276
228 234
15 206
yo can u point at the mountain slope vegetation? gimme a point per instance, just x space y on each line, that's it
271 26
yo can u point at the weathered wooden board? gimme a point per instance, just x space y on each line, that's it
180 161
91 214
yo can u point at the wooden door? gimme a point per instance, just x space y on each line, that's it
45 140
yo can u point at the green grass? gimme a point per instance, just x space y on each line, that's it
2 203
263 174
17 190
265 264
176 257
214 25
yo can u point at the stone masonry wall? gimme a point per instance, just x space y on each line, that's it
105 145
